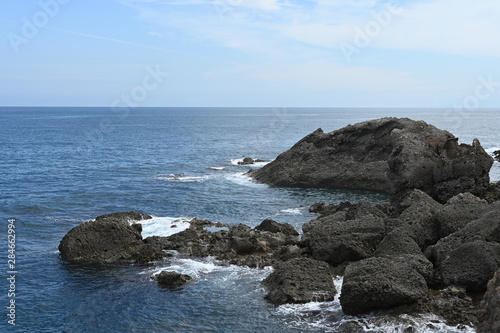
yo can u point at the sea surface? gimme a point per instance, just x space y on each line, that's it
62 166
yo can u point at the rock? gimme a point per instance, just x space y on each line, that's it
348 235
108 239
172 280
377 283
489 313
389 154
238 244
300 280
458 212
127 217
496 155
418 218
470 265
275 227
399 246
470 256
452 304
325 210
249 160
493 192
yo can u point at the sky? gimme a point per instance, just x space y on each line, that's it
254 53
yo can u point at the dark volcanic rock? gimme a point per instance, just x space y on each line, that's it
172 280
273 226
417 218
458 212
124 217
389 154
347 235
239 244
300 280
489 313
108 239
451 303
496 154
249 160
470 256
377 283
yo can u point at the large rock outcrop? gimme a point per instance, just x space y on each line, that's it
111 238
389 154
300 280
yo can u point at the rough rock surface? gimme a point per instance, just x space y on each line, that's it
108 239
458 212
300 280
377 283
172 280
417 218
350 234
265 245
470 256
489 313
389 154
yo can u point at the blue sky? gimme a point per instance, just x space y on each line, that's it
279 53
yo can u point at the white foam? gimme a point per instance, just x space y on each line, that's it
217 168
164 226
193 268
315 315
241 178
290 211
490 151
183 179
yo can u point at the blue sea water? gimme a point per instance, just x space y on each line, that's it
63 166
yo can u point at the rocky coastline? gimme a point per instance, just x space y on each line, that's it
435 248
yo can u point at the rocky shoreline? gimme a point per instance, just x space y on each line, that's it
434 248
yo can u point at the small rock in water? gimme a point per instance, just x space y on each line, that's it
172 280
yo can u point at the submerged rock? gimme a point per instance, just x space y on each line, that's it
395 155
300 280
109 239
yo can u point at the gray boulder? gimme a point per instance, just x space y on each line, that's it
171 280
489 313
470 265
347 235
377 283
389 154
300 280
275 227
399 246
418 218
471 255
458 212
108 239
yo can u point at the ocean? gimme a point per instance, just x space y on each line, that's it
62 166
